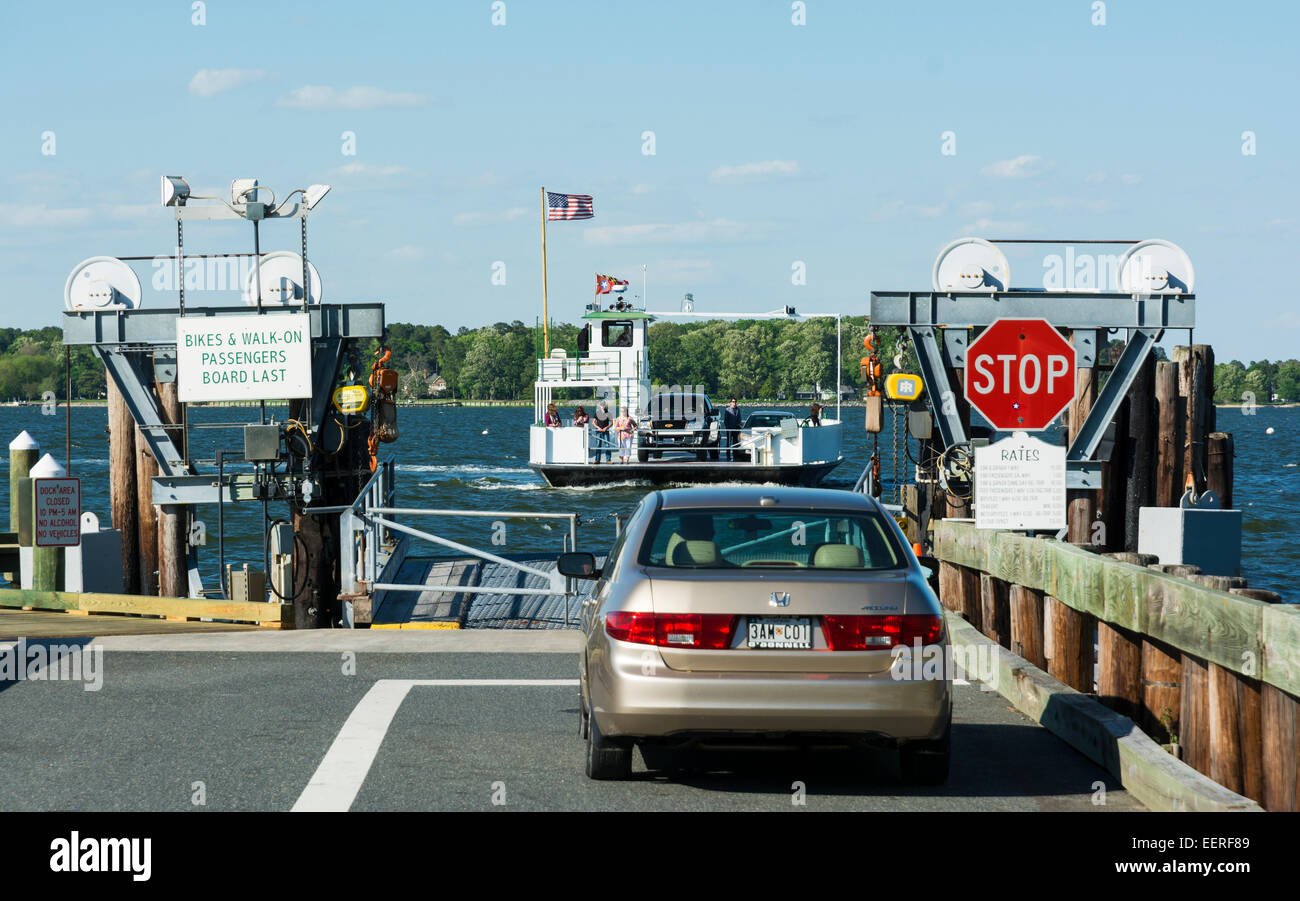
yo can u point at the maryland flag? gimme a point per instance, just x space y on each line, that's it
607 284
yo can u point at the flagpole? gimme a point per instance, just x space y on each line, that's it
546 331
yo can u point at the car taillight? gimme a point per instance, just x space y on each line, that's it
874 633
710 631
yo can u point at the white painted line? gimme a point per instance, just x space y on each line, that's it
956 681
341 773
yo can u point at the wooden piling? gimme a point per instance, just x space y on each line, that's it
1171 423
24 451
123 498
146 517
1072 648
1081 505
1026 606
1140 452
1280 726
1119 675
1195 386
1235 734
1162 680
1219 453
968 591
995 609
949 586
173 519
1193 719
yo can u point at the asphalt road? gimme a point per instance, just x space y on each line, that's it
241 729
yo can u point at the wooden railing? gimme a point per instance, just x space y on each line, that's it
1213 674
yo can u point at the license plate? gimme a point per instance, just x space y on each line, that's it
780 632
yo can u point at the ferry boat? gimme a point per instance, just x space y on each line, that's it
612 361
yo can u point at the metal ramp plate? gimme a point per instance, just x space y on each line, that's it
427 609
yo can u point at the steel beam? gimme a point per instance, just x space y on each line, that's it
1121 379
951 429
152 327
1074 311
325 361
134 378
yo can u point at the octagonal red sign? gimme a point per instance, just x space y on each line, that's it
1020 374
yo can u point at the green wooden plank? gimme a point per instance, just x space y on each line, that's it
1280 636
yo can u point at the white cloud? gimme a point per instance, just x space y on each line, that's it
367 169
755 171
482 218
1285 320
1003 227
210 82
713 231
1130 179
38 215
1024 166
640 189
977 208
407 253
1096 178
317 97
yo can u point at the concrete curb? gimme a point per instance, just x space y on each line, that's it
386 641
1148 772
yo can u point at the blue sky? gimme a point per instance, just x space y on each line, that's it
774 143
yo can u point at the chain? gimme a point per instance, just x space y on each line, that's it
896 473
306 285
180 271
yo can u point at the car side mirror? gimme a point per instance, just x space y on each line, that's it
578 565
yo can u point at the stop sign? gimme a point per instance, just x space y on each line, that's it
1020 374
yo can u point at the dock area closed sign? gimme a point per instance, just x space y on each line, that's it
256 357
57 513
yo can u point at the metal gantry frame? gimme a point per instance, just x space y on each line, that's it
929 314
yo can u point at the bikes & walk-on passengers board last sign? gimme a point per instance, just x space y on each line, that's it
1020 484
250 357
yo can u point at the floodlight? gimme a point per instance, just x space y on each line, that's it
240 188
175 190
313 195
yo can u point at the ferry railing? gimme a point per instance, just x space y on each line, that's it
590 368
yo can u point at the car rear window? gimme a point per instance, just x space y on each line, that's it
729 538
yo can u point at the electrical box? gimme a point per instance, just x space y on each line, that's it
920 424
245 584
261 443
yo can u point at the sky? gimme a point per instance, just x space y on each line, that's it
756 153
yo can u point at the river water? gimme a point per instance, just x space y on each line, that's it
476 458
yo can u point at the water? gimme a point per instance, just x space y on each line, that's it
476 458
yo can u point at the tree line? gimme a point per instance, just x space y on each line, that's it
767 359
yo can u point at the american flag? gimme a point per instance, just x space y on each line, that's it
568 206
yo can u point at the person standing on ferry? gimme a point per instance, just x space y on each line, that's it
552 420
601 423
730 428
625 426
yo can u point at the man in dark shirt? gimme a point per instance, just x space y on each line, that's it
730 427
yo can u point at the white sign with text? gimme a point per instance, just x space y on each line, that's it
253 357
1020 484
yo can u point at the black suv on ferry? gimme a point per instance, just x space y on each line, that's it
678 421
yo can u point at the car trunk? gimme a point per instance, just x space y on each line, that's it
756 601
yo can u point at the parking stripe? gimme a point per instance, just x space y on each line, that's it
341 773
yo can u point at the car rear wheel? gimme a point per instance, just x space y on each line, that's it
642 456
606 758
926 762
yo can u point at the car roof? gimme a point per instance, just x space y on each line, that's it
785 414
787 498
